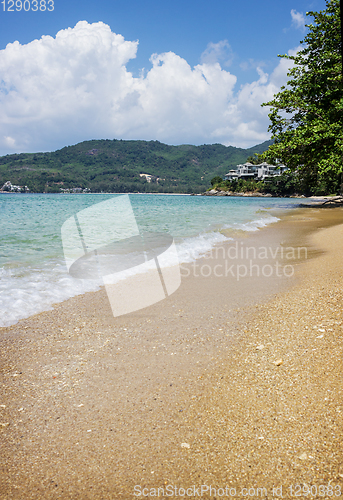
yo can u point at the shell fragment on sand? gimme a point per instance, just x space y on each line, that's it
278 362
185 445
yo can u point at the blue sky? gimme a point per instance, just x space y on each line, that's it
214 63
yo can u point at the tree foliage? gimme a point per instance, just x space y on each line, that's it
216 180
255 159
307 115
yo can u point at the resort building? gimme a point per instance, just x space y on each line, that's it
260 172
8 187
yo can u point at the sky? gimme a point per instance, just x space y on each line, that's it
180 72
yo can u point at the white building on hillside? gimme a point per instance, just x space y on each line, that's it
266 171
260 172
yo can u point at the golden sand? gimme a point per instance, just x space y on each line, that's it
231 386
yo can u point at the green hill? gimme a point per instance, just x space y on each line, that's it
116 165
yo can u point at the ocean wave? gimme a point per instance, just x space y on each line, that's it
25 291
191 249
28 291
254 225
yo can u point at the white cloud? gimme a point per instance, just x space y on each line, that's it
298 20
251 64
62 90
217 52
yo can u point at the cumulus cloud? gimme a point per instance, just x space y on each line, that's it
298 20
76 86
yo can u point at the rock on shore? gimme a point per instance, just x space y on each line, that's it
215 192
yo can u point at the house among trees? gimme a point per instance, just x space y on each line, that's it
8 187
261 172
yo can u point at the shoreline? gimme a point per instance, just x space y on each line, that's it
315 199
181 392
189 247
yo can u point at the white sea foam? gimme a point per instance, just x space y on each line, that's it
24 292
191 249
254 225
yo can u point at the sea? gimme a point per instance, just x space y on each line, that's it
33 270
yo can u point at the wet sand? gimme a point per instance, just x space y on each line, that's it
226 383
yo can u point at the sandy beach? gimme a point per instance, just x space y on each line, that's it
231 387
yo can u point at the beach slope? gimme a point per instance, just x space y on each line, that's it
193 392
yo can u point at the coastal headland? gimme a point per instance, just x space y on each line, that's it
231 387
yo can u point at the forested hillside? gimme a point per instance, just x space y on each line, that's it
117 165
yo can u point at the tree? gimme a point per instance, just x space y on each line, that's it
216 180
307 114
255 159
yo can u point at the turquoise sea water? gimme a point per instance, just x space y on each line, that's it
33 274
